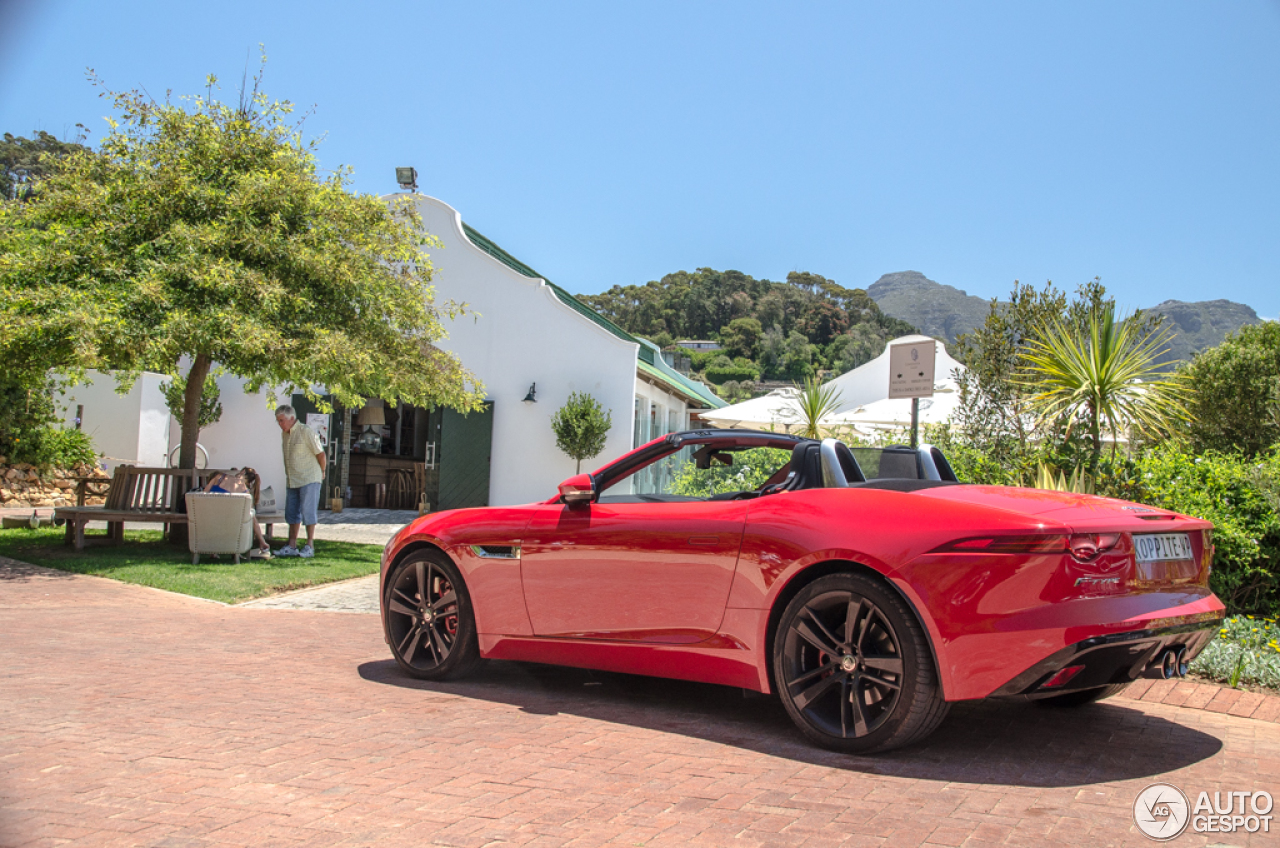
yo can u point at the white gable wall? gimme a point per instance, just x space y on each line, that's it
131 428
523 335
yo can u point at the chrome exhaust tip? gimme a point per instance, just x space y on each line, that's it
1169 665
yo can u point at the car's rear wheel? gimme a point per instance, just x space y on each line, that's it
853 668
429 620
1084 696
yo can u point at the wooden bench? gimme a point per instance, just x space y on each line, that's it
153 495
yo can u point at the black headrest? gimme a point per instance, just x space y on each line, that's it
899 465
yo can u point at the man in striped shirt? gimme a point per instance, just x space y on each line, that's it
304 464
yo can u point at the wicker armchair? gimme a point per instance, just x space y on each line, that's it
219 523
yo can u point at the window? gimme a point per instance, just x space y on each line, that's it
639 437
700 471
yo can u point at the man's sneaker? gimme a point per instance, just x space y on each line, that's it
306 552
260 553
288 551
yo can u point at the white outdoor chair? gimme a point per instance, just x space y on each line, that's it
219 523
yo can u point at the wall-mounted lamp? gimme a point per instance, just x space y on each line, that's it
533 390
407 178
372 418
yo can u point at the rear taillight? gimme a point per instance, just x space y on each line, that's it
1085 547
1062 677
1005 545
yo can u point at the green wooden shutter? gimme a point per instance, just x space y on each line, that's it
466 444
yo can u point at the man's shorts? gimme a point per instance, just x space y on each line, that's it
300 504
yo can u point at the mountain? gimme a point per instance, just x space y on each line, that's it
1202 324
945 312
940 311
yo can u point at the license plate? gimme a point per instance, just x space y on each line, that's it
1162 546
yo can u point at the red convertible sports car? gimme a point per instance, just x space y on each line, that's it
868 595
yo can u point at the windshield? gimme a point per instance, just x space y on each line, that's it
701 472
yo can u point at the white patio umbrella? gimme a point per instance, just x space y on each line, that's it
776 410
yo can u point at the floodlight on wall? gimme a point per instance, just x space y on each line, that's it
533 390
408 178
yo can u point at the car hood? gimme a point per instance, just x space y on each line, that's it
1065 507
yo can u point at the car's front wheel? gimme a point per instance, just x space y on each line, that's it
853 668
429 620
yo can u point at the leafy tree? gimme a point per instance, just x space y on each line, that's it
994 410
742 311
581 426
742 337
863 343
1106 372
175 397
29 427
1235 392
736 390
203 233
25 161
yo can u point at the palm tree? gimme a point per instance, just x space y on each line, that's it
815 402
1105 370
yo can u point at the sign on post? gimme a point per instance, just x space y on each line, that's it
911 369
319 422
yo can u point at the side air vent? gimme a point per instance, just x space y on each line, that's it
496 551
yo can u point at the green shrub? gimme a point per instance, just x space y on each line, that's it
1220 488
699 359
1246 650
52 447
723 373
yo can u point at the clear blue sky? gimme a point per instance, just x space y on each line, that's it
607 143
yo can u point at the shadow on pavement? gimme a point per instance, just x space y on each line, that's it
16 571
980 742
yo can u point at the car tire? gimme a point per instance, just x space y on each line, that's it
857 686
429 621
1085 696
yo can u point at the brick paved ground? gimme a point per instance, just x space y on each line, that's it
130 716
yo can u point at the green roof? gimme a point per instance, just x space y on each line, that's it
650 357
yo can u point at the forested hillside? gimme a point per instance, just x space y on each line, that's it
769 330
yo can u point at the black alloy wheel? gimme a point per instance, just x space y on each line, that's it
853 668
430 625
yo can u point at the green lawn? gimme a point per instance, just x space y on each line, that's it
145 558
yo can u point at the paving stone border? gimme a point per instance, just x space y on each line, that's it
1195 695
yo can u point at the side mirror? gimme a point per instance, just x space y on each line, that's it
579 489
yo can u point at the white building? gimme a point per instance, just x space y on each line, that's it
532 333
529 342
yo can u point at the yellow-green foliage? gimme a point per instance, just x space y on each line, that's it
205 229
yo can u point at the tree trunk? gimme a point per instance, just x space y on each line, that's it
191 410
1096 435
